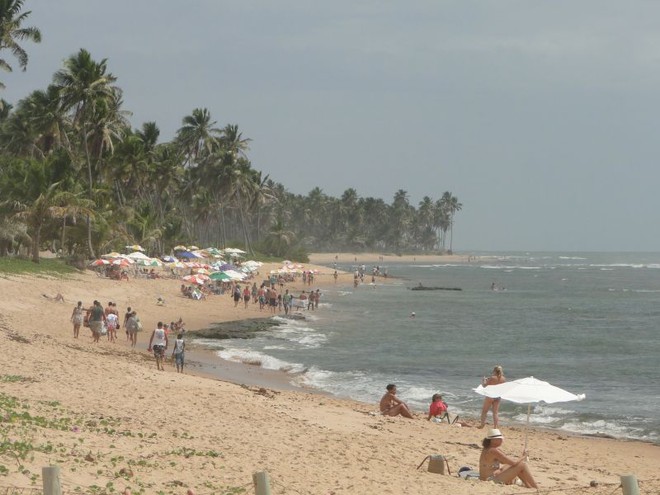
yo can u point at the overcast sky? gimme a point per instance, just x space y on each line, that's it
540 116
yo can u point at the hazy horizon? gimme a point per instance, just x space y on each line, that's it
539 117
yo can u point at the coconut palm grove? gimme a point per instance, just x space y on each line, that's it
77 178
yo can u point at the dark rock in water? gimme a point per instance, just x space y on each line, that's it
241 329
294 316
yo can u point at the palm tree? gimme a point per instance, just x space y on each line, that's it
34 199
198 137
279 239
12 32
87 89
450 205
45 115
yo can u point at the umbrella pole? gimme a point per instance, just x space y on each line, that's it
529 410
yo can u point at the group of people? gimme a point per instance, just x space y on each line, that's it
494 465
267 296
105 321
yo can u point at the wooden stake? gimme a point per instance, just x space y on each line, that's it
261 483
629 485
51 480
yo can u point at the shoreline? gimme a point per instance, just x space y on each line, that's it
260 425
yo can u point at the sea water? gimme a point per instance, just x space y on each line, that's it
584 322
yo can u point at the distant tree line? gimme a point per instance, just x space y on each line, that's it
75 177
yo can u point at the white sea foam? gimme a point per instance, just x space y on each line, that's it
256 358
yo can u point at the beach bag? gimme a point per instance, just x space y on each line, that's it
104 330
138 325
437 464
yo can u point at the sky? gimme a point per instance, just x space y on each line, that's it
540 116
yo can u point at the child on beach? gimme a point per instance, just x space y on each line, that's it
438 409
178 352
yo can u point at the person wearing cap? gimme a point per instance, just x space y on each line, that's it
492 460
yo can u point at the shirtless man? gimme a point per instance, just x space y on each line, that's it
391 405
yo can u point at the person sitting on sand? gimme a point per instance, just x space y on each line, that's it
492 458
438 409
391 405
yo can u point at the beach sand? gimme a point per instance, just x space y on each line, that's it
109 419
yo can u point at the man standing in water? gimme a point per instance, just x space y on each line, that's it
391 405
158 342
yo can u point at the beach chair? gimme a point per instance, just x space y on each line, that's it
451 418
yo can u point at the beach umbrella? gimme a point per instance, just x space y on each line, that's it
187 254
123 262
135 247
234 275
234 251
528 391
192 248
180 248
150 262
113 254
99 262
168 259
202 271
137 255
196 279
222 276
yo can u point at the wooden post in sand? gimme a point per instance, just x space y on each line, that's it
51 480
261 483
629 485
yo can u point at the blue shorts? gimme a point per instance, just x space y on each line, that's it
179 358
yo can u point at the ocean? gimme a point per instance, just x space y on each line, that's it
585 322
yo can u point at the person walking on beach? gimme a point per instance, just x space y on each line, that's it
237 295
158 343
132 324
111 321
246 296
286 301
495 378
492 459
77 319
96 319
178 352
126 317
391 405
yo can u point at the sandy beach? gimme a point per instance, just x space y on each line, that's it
110 420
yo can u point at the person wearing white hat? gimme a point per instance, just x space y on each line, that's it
492 459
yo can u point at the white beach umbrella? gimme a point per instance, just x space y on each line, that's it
137 255
234 275
528 391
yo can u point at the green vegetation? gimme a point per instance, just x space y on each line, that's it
23 436
77 178
52 267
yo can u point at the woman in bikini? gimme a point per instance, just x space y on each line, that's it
492 459
77 318
496 378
